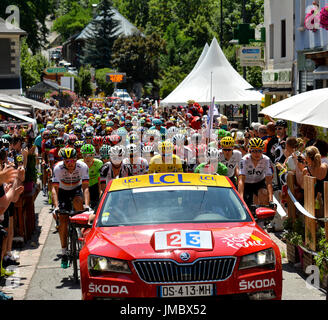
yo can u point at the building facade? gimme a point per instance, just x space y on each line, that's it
277 76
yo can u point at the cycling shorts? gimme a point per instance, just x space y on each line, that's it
65 197
253 188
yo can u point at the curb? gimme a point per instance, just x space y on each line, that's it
17 285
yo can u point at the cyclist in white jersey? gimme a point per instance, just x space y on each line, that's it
138 164
230 158
70 183
256 172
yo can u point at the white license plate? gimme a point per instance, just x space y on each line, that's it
187 290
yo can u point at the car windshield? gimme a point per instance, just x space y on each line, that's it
179 204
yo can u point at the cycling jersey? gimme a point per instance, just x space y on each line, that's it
232 163
139 166
53 155
258 173
107 174
67 180
156 164
94 172
210 168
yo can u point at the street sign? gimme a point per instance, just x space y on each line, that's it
55 70
250 56
116 77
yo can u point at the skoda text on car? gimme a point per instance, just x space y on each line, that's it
178 235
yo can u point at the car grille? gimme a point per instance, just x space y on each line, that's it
209 269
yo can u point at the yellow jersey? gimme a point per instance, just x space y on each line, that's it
170 164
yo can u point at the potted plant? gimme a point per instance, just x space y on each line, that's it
321 259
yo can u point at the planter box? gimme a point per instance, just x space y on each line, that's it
292 253
308 260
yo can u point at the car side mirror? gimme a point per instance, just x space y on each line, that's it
264 213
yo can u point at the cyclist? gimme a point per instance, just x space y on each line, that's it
70 188
166 161
230 158
54 156
256 172
212 165
115 168
94 165
138 164
77 146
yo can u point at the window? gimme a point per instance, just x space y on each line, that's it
283 38
5 56
271 36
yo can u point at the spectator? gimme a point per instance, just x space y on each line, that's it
309 134
271 142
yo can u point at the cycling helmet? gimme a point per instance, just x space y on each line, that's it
281 123
114 138
133 138
54 133
132 148
221 133
213 153
166 147
106 140
78 144
104 151
67 153
172 130
98 140
148 149
118 151
88 134
88 149
227 142
59 142
178 138
256 143
78 129
157 122
196 138
72 138
45 134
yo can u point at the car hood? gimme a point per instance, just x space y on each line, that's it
139 242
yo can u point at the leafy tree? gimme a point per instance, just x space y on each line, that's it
104 85
85 76
72 22
138 56
98 47
31 66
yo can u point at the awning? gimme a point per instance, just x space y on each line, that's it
36 104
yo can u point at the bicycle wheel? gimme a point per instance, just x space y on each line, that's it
73 252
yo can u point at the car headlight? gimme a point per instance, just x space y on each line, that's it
100 264
264 258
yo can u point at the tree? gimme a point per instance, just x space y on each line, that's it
73 21
102 84
85 76
32 66
98 46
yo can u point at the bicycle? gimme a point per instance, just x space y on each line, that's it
74 245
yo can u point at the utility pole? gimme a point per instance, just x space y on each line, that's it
221 22
244 21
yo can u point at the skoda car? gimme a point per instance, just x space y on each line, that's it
178 235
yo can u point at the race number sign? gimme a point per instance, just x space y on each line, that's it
183 239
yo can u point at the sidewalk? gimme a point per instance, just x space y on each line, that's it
17 285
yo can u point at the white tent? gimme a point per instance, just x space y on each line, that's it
214 77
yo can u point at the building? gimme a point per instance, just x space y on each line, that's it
311 50
10 74
277 76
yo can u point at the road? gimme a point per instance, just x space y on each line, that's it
40 276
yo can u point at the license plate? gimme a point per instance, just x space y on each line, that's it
188 290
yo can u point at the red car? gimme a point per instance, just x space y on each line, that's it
178 235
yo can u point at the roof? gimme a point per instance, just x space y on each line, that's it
125 28
170 179
214 77
7 28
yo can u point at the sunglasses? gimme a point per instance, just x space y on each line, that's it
227 150
280 128
68 161
256 151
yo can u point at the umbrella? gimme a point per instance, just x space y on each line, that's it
309 107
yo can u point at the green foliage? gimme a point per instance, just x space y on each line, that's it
73 21
31 66
321 259
85 76
98 48
103 85
294 232
170 80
